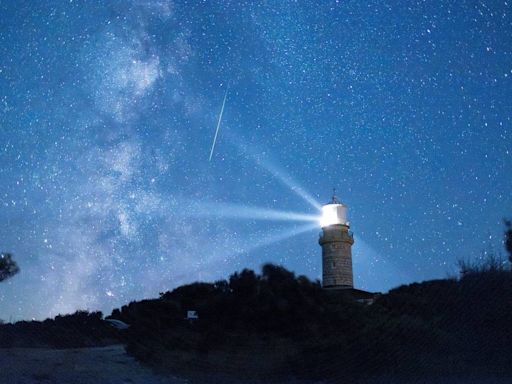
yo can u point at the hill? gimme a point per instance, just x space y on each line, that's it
78 330
274 325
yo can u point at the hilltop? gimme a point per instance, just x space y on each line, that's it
275 324
78 330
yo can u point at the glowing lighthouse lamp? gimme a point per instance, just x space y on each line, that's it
333 213
336 242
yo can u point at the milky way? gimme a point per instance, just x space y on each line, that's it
108 112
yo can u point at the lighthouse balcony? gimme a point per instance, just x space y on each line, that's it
333 236
349 233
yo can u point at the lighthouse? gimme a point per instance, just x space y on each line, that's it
336 241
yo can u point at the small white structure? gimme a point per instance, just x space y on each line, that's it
192 315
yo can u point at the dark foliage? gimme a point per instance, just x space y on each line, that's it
275 323
489 262
8 266
81 329
508 239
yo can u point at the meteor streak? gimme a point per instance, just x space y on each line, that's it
218 124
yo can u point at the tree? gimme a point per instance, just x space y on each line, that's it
8 266
244 284
275 274
508 239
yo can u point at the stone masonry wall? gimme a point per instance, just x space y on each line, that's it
336 245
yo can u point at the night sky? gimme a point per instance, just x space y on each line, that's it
108 112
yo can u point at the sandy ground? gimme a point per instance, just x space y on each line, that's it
111 365
107 365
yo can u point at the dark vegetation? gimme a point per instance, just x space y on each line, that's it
81 329
78 330
508 239
8 266
274 324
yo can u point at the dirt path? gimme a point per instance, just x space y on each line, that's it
107 365
111 365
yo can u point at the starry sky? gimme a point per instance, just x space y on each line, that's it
108 111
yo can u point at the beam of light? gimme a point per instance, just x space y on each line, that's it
236 211
252 244
219 258
279 173
288 181
218 124
374 269
279 236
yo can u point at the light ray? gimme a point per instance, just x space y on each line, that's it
276 171
280 236
236 211
262 241
370 263
288 181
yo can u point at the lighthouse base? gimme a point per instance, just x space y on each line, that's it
354 294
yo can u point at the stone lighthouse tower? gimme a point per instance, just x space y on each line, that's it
336 242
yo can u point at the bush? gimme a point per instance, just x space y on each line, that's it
275 323
81 329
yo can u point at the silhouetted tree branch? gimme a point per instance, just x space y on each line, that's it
508 239
8 266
